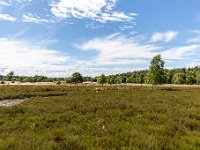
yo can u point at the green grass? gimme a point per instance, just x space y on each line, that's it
116 117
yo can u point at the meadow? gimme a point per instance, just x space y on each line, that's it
97 118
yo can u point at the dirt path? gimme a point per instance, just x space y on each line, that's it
11 102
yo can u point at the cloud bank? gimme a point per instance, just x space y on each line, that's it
22 55
98 10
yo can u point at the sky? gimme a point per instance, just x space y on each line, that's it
58 37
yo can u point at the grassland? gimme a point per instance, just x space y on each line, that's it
84 117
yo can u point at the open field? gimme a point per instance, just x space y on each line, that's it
110 117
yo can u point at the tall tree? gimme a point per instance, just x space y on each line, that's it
77 78
156 73
102 79
9 76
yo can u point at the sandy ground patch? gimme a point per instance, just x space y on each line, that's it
96 84
48 83
11 102
28 83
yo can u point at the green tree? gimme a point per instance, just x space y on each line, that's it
26 79
101 79
94 79
140 78
108 80
20 79
129 80
198 77
121 79
190 77
76 78
179 78
111 79
168 76
68 80
156 73
10 76
134 78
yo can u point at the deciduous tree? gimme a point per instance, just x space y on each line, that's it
101 79
155 74
77 78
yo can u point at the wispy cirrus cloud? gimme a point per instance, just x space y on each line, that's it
165 36
181 52
118 49
19 1
28 17
195 38
98 10
6 17
13 2
4 3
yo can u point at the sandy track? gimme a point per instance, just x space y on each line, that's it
95 84
28 83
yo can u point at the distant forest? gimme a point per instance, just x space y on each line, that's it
171 76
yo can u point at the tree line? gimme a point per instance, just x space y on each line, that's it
156 74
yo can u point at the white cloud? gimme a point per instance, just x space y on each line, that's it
181 52
34 19
22 55
166 36
19 1
24 58
116 53
195 38
7 17
15 3
98 10
3 3
118 49
126 27
94 25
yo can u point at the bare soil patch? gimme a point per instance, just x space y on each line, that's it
11 102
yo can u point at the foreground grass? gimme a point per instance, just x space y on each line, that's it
104 118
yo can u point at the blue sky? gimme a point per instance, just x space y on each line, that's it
59 37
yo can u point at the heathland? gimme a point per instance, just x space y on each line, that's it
95 117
